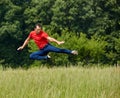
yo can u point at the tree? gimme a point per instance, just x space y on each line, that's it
11 28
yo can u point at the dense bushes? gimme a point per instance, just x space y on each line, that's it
90 50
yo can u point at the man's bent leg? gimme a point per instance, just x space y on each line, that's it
39 55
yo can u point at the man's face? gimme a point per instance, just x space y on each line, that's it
38 29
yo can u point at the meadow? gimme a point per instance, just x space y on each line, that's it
60 82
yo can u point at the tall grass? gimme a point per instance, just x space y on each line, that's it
72 82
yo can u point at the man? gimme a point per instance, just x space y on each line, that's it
42 40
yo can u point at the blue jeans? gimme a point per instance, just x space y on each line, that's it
42 53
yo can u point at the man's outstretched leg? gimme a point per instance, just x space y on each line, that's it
51 48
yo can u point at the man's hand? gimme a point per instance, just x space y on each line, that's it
60 42
20 48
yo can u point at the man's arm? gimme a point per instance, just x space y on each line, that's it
54 40
24 44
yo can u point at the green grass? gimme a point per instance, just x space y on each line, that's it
72 82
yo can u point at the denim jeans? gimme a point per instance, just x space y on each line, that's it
42 53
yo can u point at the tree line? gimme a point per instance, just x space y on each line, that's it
92 27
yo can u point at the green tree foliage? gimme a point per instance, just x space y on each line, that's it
11 33
98 20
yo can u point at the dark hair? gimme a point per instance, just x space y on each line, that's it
38 24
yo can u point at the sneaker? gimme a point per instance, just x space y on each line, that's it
48 56
74 52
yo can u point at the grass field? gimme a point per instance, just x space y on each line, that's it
72 82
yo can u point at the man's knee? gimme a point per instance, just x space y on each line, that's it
31 56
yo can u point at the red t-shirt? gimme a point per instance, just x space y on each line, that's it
40 39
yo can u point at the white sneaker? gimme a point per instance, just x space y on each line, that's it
74 52
48 56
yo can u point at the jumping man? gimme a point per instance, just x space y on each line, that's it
42 40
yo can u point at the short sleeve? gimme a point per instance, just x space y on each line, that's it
30 35
45 35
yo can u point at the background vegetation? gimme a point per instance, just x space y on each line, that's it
91 27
